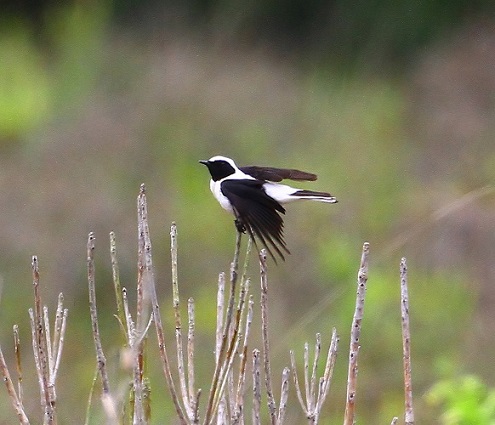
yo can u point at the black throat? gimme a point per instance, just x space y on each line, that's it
219 169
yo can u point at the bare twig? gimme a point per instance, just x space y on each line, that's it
106 398
40 343
256 387
272 408
314 401
237 416
192 392
116 282
349 417
226 345
284 395
148 264
14 399
60 335
17 351
406 345
178 325
326 381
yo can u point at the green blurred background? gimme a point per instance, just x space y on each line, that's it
391 103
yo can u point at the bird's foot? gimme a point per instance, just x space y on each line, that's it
241 228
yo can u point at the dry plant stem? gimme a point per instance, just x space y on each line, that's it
106 398
17 351
142 308
178 325
328 373
406 345
143 218
116 281
193 395
264 331
235 336
214 395
41 345
59 346
237 416
256 387
349 417
284 395
314 402
14 399
58 336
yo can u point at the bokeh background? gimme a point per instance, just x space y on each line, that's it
391 103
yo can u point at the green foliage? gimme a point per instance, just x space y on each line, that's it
25 87
465 400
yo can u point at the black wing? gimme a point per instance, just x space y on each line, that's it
277 174
258 212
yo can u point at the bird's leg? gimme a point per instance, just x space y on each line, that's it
239 225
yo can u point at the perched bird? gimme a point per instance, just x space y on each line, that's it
255 197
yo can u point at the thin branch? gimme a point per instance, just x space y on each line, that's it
284 395
17 351
57 329
178 324
237 416
296 383
272 408
406 345
143 219
192 393
116 281
106 398
14 399
59 345
328 373
256 387
225 347
48 397
349 417
314 402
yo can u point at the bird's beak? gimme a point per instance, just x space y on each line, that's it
203 162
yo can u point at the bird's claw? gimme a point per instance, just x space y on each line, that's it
241 228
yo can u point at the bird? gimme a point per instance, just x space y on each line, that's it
255 197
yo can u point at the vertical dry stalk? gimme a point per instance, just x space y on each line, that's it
145 242
226 346
14 399
40 345
349 417
17 351
193 394
406 345
238 411
116 282
233 332
264 331
106 397
284 395
256 387
314 400
178 323
325 382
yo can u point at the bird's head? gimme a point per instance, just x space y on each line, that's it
220 167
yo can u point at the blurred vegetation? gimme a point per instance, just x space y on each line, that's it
464 400
390 103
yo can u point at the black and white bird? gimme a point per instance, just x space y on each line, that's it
255 197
